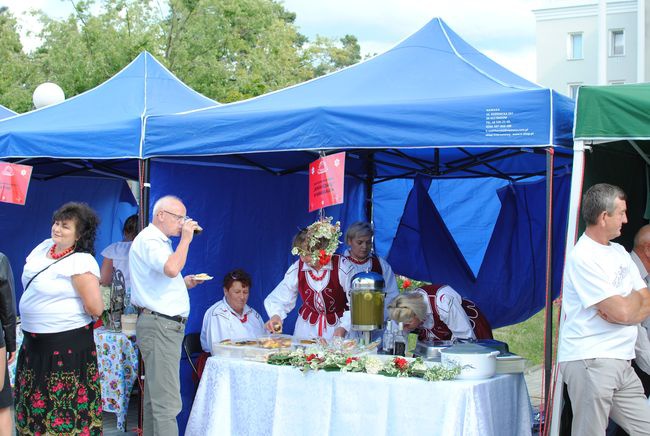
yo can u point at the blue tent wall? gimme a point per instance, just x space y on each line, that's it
249 219
26 226
510 285
471 227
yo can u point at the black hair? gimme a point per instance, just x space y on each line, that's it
86 222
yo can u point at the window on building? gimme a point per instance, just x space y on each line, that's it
573 90
617 42
574 49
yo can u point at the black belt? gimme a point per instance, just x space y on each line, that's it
177 318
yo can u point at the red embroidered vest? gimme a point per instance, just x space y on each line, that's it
330 303
440 331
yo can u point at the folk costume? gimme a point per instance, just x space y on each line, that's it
451 316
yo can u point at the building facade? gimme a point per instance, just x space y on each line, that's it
582 42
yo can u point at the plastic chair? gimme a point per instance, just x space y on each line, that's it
192 348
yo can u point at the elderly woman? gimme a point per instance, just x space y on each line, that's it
359 239
321 278
231 318
115 267
438 312
57 382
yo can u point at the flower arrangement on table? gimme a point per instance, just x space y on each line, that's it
306 360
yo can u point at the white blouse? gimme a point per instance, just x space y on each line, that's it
222 322
51 304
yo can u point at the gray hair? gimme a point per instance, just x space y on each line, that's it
407 305
163 202
598 199
360 228
642 237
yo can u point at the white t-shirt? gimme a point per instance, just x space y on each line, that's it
150 287
593 273
222 322
118 252
51 304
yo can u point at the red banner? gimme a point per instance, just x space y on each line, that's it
14 181
326 177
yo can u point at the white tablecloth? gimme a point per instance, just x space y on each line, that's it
247 398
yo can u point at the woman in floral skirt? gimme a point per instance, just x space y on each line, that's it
57 388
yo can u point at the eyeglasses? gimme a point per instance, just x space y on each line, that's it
178 217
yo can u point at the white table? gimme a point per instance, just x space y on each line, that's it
241 397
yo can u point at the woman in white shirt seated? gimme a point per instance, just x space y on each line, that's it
231 318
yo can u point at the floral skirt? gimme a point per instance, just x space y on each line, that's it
57 389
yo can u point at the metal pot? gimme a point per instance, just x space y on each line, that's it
431 349
367 301
476 362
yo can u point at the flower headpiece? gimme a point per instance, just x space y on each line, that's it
320 241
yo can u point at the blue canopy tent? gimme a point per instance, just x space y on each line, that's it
5 112
83 149
432 106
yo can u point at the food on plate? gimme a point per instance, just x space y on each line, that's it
246 342
307 341
202 276
272 342
349 344
226 342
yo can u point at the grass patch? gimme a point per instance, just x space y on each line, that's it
527 338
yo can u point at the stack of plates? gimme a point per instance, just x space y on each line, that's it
510 364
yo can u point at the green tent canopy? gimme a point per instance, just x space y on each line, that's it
613 112
611 145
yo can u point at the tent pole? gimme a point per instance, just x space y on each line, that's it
548 326
370 180
145 186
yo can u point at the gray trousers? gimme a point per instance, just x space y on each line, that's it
603 388
159 341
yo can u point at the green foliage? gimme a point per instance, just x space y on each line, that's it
16 73
226 49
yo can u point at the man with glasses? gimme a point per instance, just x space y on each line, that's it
160 291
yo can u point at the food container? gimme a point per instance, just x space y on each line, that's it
257 349
367 301
128 323
431 349
476 362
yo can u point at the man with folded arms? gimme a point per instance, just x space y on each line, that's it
160 292
604 298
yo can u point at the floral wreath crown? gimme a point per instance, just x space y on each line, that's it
316 235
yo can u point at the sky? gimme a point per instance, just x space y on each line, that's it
504 30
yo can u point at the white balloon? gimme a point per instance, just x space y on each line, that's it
46 94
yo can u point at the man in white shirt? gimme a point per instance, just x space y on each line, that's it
641 252
160 291
603 299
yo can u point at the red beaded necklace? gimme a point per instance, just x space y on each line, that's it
65 252
358 261
315 277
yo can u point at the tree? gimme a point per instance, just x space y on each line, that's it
84 50
234 49
327 56
17 75
226 49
